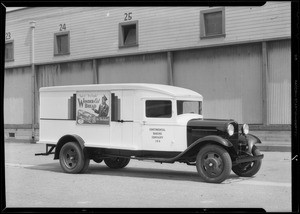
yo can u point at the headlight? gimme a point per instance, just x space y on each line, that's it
230 129
245 129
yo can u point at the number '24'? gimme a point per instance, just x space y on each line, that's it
62 27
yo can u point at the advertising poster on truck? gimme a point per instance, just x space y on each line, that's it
93 107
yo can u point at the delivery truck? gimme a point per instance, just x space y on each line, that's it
115 123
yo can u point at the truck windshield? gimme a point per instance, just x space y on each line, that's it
184 107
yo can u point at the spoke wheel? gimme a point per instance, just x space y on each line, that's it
213 164
248 169
73 159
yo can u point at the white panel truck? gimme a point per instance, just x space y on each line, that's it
118 122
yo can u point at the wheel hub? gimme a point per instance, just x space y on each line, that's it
213 164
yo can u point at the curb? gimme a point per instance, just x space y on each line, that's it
274 148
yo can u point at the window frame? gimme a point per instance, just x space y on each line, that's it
121 34
13 53
202 22
55 43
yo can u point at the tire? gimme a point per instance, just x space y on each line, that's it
116 163
73 159
248 169
213 164
97 159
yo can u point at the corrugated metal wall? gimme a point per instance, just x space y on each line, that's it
279 85
150 68
17 96
229 78
73 73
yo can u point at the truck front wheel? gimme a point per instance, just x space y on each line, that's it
213 164
116 163
248 169
73 159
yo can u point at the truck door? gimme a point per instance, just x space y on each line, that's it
121 132
158 125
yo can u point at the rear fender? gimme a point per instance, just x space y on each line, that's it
65 139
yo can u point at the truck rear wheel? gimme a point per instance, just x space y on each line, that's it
213 164
73 159
116 163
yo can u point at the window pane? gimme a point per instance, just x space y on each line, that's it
62 44
159 108
213 23
184 107
129 35
9 51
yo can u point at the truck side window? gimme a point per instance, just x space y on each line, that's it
159 108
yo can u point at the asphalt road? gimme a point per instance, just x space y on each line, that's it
38 181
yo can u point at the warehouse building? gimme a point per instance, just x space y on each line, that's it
238 58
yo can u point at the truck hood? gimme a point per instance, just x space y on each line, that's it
210 124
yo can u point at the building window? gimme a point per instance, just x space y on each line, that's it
9 51
62 43
212 23
159 108
128 34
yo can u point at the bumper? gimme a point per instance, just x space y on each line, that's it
247 159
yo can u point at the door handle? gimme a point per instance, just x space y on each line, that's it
123 121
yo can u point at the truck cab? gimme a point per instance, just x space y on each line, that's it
118 122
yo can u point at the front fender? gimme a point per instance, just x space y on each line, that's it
252 140
194 147
213 138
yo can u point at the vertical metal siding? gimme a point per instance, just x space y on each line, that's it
279 86
229 78
65 74
17 96
72 73
151 68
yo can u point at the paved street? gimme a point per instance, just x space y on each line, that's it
38 181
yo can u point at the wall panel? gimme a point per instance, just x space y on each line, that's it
17 96
150 68
279 85
229 78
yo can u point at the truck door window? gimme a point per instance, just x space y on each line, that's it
184 107
159 108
